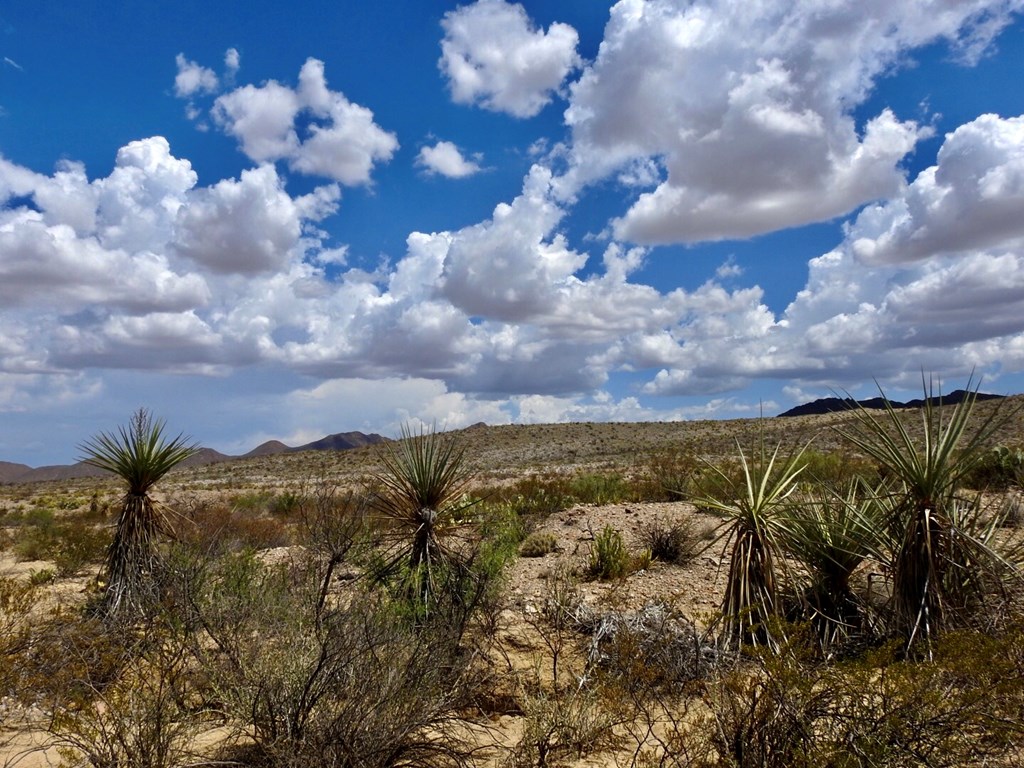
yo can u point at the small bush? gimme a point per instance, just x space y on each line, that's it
79 544
669 476
997 470
538 544
652 650
369 689
600 489
533 497
608 556
140 720
561 727
963 708
217 528
39 577
285 504
672 541
837 470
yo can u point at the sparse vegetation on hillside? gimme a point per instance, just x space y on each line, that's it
370 609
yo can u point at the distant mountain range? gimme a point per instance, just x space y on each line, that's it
834 404
342 441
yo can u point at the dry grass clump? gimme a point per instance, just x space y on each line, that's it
674 541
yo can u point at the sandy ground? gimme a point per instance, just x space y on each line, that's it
693 589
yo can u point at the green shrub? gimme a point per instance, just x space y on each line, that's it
538 544
669 476
837 470
963 708
217 528
998 469
285 504
368 688
533 497
79 544
608 556
39 577
600 489
557 728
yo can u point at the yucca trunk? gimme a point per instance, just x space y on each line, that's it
834 610
424 556
749 603
131 558
919 574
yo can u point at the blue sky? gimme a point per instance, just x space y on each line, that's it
330 216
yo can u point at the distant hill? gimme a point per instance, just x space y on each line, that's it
269 448
205 456
58 472
9 471
342 441
834 404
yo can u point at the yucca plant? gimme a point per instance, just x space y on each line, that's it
141 456
421 491
830 534
753 509
937 541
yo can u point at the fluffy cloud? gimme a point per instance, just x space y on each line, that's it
748 109
933 278
193 78
445 159
493 56
505 268
973 199
244 227
340 141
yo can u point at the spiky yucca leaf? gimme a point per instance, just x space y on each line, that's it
831 533
421 490
749 608
140 455
930 590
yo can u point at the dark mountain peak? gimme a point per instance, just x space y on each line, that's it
342 441
269 448
834 404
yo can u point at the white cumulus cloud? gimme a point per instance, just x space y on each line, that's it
339 140
193 79
494 56
748 109
446 159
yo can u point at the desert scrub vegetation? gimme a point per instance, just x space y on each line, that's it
674 541
609 559
298 633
